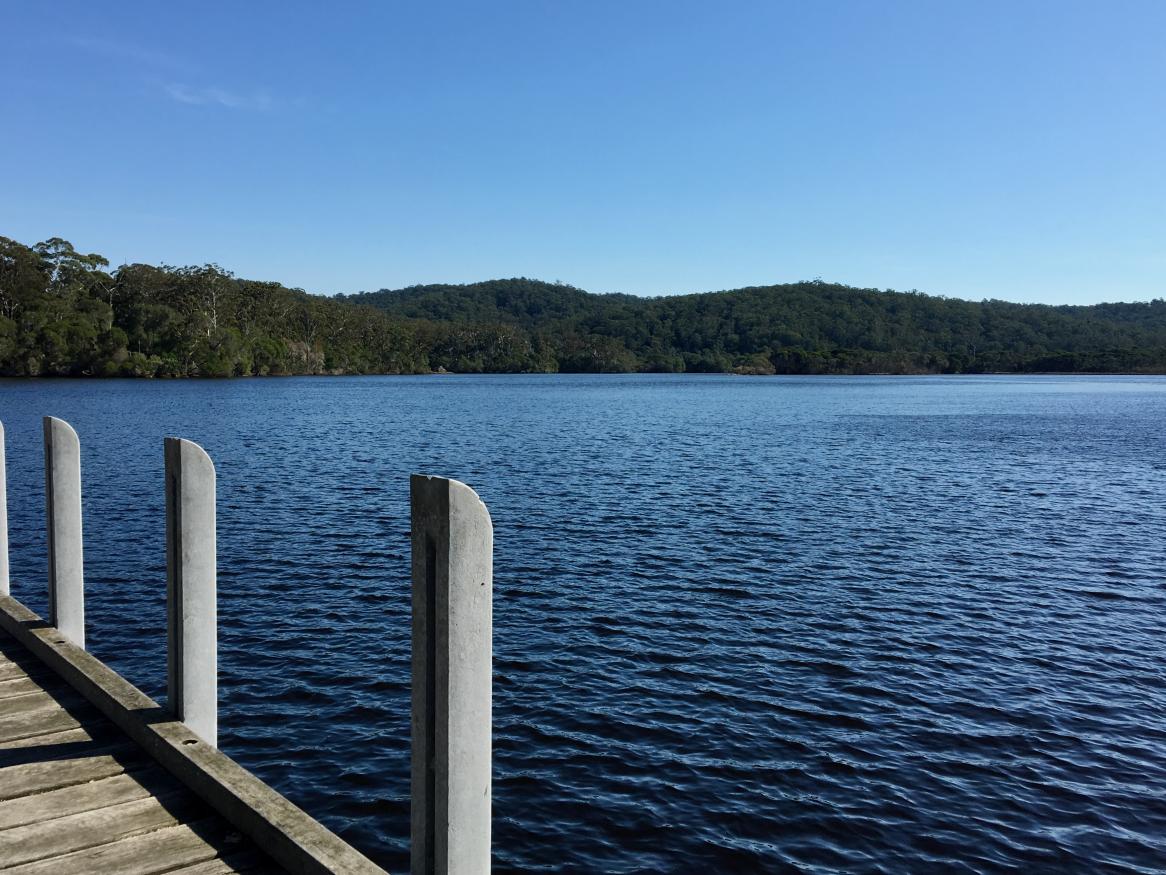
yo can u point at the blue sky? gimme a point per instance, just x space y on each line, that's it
1014 150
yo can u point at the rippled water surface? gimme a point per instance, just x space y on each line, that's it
741 624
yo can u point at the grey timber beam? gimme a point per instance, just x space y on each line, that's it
4 585
63 515
191 607
452 571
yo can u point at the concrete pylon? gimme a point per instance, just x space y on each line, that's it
191 603
4 584
63 516
453 545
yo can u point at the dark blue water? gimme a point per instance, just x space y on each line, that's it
816 624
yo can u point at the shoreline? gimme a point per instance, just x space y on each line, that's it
215 379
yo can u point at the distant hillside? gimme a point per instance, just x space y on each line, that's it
809 327
520 301
63 312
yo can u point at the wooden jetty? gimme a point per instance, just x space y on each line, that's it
96 777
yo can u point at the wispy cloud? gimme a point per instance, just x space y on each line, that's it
119 51
160 66
259 101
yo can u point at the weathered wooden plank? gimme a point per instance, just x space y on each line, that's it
281 829
53 738
35 675
162 850
210 867
18 687
75 832
17 664
39 674
36 723
242 863
77 798
38 700
10 670
15 655
43 776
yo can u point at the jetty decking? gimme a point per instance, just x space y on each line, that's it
96 777
78 796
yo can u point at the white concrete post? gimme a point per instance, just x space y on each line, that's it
63 513
453 545
191 607
4 586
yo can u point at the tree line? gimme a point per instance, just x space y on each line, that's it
65 313
798 328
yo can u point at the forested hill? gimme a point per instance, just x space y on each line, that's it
63 312
808 327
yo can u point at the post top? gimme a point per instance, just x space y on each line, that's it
188 453
459 493
58 427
